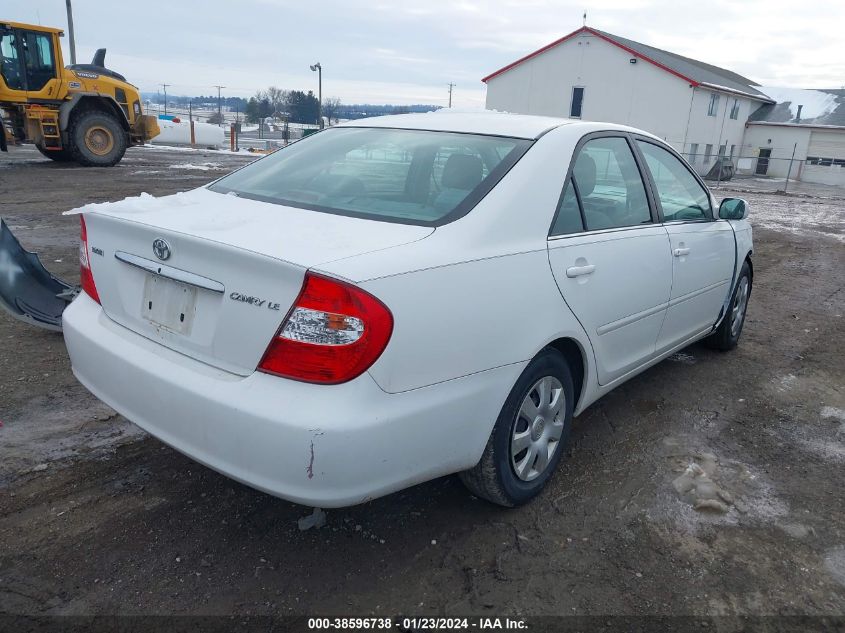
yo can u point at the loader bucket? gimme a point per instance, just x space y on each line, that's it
27 291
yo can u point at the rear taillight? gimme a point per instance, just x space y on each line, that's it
85 277
334 332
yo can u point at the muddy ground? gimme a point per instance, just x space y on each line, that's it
96 517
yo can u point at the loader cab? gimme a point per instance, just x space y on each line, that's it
30 64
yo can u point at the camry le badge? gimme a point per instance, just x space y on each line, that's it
161 248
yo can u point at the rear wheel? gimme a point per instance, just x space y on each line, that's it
97 139
530 434
60 156
727 334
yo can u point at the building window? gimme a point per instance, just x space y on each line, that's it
577 102
708 152
693 150
722 149
733 147
714 105
735 109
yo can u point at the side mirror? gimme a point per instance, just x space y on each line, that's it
733 209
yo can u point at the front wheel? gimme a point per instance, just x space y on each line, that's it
727 334
97 139
530 434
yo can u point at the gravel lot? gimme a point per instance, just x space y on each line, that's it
96 517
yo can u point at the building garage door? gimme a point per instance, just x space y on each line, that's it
825 158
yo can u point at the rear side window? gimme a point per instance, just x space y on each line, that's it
568 218
681 195
609 184
410 176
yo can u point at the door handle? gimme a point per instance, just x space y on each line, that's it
680 252
577 271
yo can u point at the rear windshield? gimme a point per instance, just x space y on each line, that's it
408 176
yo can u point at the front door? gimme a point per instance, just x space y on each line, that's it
610 259
28 65
703 250
763 162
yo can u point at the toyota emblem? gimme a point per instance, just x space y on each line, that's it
161 249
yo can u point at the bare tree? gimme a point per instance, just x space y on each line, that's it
331 107
277 98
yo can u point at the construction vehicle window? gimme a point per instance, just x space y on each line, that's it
40 66
10 66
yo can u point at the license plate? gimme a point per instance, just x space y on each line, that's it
169 304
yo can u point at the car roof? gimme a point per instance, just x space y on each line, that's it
468 122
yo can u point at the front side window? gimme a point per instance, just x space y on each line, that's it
609 185
713 108
568 219
577 103
681 196
10 66
410 176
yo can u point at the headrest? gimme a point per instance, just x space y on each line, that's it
585 174
462 171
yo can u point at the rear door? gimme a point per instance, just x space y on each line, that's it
703 248
609 255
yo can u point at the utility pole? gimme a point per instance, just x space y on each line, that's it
165 97
451 85
219 110
71 41
319 70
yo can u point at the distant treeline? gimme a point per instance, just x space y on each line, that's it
297 106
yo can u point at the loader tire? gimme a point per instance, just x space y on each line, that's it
96 139
60 155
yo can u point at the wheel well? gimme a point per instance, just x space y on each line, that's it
575 357
750 268
93 103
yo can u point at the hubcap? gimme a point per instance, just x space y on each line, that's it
99 140
538 428
740 303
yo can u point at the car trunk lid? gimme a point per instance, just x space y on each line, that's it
212 275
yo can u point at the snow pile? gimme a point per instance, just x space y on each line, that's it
816 103
137 204
205 134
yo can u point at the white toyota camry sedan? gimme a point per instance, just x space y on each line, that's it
399 298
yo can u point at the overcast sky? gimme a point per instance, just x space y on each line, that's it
406 51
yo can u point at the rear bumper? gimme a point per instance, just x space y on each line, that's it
325 446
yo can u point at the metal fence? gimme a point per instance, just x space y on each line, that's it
768 174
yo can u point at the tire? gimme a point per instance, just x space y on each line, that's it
60 156
496 477
96 139
727 335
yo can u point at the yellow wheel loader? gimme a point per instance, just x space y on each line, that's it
84 112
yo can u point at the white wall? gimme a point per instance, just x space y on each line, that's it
716 130
781 140
641 95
